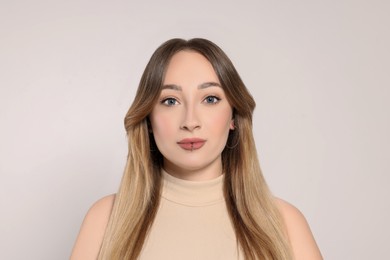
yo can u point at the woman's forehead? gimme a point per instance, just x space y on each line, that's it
189 66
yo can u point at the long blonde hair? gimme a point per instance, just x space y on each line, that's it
256 220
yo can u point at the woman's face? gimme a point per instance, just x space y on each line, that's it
192 118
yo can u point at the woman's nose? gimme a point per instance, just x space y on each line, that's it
190 120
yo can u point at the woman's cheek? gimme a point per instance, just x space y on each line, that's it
163 124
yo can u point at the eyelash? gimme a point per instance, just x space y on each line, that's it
170 99
166 100
216 99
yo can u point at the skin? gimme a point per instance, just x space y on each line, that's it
184 110
192 104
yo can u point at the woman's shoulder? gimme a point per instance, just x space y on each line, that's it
103 206
301 238
92 229
288 210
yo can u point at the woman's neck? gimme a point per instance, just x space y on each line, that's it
207 172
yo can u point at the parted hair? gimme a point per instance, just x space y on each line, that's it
256 220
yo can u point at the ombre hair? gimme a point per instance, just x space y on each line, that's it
257 223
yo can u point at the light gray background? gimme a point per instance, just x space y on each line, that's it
319 71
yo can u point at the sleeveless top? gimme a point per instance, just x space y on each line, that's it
191 223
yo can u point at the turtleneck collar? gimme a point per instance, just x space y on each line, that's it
192 193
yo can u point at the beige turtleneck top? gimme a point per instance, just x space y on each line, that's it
192 223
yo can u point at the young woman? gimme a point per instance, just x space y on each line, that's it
192 187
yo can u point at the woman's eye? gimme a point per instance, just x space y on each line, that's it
212 100
169 101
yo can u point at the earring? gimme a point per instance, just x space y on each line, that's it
234 136
234 146
149 125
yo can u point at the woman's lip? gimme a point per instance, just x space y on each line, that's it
191 140
191 143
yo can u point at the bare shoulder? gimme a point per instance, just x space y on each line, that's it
301 238
92 230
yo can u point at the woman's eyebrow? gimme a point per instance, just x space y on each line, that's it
172 86
209 84
201 86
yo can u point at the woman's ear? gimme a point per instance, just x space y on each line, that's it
149 125
232 125
232 121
